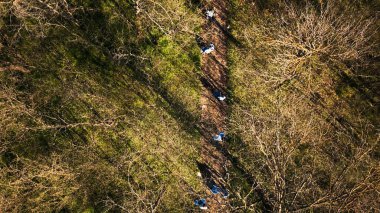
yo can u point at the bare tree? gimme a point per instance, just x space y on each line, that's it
303 37
37 16
41 187
305 151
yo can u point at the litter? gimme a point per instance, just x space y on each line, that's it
207 50
201 203
222 98
219 137
215 189
225 193
219 96
210 14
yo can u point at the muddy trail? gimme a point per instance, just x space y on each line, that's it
214 168
216 160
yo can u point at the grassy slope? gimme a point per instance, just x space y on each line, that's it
343 96
151 143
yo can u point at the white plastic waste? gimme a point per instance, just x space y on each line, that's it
222 98
210 13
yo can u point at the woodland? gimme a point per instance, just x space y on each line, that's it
100 105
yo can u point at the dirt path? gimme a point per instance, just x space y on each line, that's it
214 112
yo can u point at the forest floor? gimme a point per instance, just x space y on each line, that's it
214 112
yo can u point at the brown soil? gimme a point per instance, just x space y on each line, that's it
215 165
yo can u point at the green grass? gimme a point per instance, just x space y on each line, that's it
154 103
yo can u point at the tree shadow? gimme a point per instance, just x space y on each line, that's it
200 41
336 121
208 128
238 167
365 92
209 175
211 85
194 4
262 4
174 107
218 63
227 33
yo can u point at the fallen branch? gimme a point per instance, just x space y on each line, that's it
14 68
